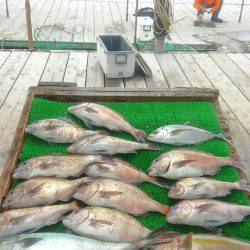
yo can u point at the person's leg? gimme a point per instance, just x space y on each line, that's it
215 15
199 12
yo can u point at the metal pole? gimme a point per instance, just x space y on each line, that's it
241 10
7 8
136 19
127 10
29 25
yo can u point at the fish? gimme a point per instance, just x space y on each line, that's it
22 220
182 163
179 135
105 224
118 169
122 196
101 116
56 165
41 191
55 241
200 187
59 130
206 213
107 145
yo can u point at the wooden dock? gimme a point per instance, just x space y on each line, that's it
229 73
85 20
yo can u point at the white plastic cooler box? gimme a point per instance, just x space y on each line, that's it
116 56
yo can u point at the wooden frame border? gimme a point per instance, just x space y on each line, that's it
102 94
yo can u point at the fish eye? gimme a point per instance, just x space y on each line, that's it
85 184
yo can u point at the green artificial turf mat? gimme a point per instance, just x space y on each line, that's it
148 116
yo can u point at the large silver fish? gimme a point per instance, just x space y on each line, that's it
183 135
107 145
55 241
182 163
115 168
206 213
116 194
62 166
101 116
41 191
199 187
21 220
59 130
106 224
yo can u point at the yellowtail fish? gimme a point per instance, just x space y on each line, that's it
101 116
119 195
199 187
59 130
182 163
21 220
183 135
206 213
107 145
41 191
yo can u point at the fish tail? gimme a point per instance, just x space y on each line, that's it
139 135
243 185
74 205
223 137
152 147
159 182
238 165
159 236
164 209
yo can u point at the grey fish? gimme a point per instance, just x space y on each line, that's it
59 130
41 191
182 163
183 135
21 220
101 116
62 166
206 213
119 195
199 187
107 145
106 224
115 168
55 241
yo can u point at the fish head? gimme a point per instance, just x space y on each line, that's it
176 190
34 126
180 211
159 166
158 135
87 190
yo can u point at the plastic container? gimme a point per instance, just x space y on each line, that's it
116 56
145 27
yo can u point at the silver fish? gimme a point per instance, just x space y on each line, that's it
41 191
115 168
21 220
55 241
206 213
59 130
183 135
116 194
62 166
106 224
107 145
182 163
199 187
101 116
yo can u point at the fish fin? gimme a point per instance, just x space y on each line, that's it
18 220
238 165
243 185
152 147
139 135
164 209
188 123
179 164
223 137
28 242
162 232
175 132
66 120
100 223
198 185
108 160
35 189
102 168
188 242
101 151
159 182
91 110
101 132
109 194
205 207
88 124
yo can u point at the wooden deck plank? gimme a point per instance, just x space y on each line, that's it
229 92
107 19
89 30
76 68
55 68
242 61
99 26
80 22
3 57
